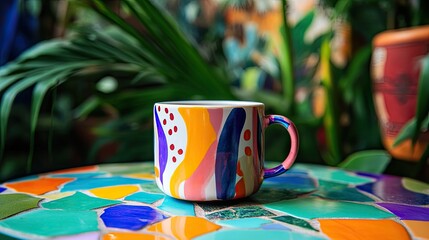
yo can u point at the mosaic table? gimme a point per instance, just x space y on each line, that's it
122 201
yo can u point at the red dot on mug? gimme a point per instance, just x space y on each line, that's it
247 135
170 132
248 151
175 128
172 147
171 116
164 121
159 108
166 110
180 152
174 159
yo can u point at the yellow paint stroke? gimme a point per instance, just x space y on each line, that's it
200 136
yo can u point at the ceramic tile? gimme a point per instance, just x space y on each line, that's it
415 186
91 183
115 192
38 186
281 209
14 203
420 229
390 189
345 194
275 226
145 197
57 195
407 212
46 223
134 236
239 212
238 234
184 227
297 182
314 207
217 205
150 188
177 207
363 229
295 221
273 193
334 174
130 217
244 222
79 202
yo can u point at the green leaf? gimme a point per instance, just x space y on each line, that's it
371 161
422 110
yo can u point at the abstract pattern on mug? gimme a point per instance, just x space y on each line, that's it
208 153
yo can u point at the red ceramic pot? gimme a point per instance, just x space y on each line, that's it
395 73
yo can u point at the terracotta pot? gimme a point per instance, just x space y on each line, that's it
395 73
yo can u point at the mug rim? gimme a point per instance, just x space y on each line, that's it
211 103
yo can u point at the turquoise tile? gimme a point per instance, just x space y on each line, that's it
90 183
236 234
295 221
275 226
334 174
79 202
177 207
314 207
346 194
296 182
46 223
144 197
244 222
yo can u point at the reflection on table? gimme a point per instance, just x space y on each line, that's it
122 201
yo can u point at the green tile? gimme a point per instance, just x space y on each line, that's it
79 201
151 188
314 207
295 221
240 212
14 203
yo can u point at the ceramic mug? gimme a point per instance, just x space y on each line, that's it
214 150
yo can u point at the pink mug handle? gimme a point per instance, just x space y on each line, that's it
294 146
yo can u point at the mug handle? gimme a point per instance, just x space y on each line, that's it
294 146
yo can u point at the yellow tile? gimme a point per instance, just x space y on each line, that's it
55 196
115 192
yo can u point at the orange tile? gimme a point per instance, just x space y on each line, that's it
134 236
363 229
38 186
419 229
184 227
115 192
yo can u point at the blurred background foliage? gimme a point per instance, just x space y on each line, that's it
84 93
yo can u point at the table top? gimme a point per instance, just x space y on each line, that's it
122 201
